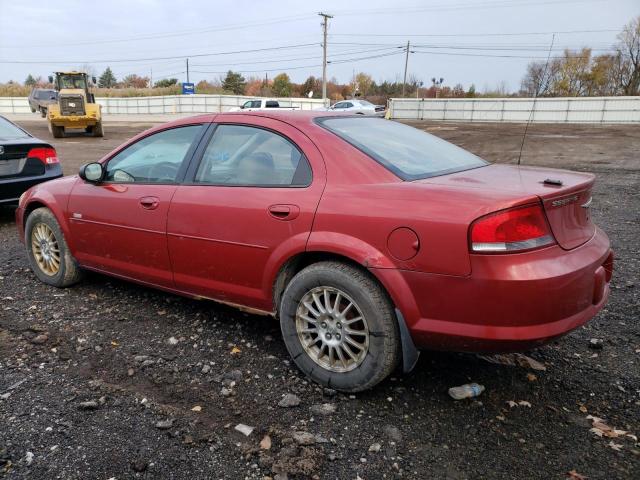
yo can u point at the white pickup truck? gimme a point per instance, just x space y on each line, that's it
261 104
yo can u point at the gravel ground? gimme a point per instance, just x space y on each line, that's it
113 380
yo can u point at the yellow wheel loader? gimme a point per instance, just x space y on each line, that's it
76 107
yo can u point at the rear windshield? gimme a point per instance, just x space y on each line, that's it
8 131
409 153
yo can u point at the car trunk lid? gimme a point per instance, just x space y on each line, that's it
566 196
14 161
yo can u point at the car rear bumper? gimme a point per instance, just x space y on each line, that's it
12 188
509 302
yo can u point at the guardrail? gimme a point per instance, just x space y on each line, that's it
166 104
601 110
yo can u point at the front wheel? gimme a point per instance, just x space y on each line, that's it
57 132
98 130
339 326
47 250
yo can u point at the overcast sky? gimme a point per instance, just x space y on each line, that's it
448 37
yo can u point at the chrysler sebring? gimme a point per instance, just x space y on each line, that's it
368 239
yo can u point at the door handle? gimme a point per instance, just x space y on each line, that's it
149 203
284 212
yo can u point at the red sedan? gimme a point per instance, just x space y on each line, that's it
367 238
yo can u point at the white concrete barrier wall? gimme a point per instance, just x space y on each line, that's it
604 110
166 104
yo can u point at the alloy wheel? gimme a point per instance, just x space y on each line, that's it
332 329
45 248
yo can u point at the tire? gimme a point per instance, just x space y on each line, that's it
33 110
372 364
57 132
43 112
97 130
41 220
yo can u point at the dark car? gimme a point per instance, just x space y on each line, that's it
24 161
41 98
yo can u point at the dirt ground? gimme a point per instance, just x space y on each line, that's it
112 380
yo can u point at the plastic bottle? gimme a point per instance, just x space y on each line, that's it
469 390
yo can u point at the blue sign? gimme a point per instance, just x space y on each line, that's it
188 88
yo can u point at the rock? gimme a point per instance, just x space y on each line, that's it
173 341
130 372
265 443
289 400
304 438
206 369
596 344
139 465
244 429
393 433
323 409
329 392
375 447
226 392
40 339
165 424
90 405
234 375
28 458
140 358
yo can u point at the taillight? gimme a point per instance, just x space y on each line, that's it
46 155
516 229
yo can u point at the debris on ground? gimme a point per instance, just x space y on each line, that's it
469 390
514 359
244 429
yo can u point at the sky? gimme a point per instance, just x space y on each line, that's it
487 43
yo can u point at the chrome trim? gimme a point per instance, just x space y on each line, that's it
587 204
510 246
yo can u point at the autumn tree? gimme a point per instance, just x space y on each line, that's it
282 85
165 82
312 84
628 49
135 81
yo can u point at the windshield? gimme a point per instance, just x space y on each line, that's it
409 153
72 81
8 131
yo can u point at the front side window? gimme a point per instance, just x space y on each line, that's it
409 153
153 159
239 155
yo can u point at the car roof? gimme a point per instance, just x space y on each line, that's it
294 117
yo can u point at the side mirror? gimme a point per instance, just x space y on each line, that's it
50 79
93 79
92 172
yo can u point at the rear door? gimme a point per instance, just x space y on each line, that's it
250 203
119 225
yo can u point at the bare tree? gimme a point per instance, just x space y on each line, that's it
628 48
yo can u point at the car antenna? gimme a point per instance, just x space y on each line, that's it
535 98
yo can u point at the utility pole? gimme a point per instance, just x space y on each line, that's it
188 70
151 77
325 23
406 65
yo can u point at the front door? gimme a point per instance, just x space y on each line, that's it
250 202
119 225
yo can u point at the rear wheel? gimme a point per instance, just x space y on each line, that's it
43 112
57 132
47 250
340 327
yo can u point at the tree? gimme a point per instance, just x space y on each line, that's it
282 85
30 81
458 91
628 47
312 84
361 84
471 93
166 82
135 81
107 79
234 82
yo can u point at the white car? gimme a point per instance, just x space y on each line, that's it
359 107
260 104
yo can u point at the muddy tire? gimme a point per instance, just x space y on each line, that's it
57 132
97 130
43 112
47 250
339 326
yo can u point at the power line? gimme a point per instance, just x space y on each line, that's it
510 34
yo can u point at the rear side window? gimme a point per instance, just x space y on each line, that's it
8 131
272 104
409 153
239 155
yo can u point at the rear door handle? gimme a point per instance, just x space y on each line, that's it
149 203
284 212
